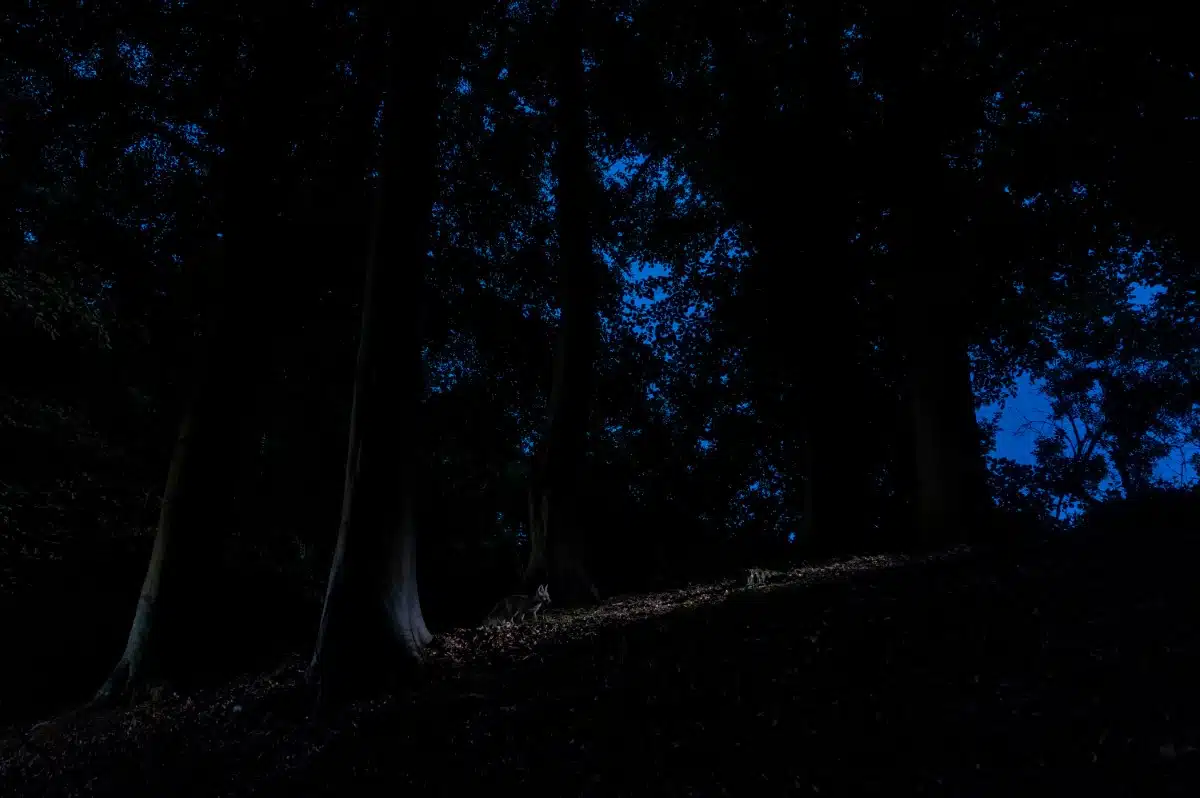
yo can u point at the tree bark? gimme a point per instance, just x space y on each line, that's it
557 489
951 490
169 629
130 668
175 630
371 626
934 246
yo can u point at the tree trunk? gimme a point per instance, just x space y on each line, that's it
371 623
179 625
131 667
557 489
951 488
933 293
170 630
175 629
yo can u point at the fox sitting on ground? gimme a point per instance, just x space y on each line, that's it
516 607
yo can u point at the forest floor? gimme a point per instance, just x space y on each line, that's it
1069 667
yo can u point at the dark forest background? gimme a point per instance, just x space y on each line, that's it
725 284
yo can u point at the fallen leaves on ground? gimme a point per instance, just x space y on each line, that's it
1066 667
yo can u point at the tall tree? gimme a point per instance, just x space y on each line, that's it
371 621
174 628
558 499
929 103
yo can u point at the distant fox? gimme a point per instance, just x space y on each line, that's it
516 607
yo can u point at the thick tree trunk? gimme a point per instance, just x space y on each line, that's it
371 623
130 669
951 500
934 246
951 481
170 632
557 489
175 630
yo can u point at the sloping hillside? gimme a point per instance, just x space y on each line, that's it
1068 667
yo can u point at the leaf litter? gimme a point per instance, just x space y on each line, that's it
1066 666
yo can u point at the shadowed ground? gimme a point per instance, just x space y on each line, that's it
1067 666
